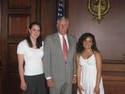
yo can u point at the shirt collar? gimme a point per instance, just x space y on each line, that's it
62 35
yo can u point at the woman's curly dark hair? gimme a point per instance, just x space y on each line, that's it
80 48
39 39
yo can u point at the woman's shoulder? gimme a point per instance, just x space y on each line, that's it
97 54
78 55
78 58
23 42
21 47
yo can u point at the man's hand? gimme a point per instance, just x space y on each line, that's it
50 83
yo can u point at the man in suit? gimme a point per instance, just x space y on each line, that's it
59 65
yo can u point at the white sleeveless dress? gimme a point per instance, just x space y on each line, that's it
88 75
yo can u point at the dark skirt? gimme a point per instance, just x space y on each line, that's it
35 84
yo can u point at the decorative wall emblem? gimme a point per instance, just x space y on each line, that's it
98 8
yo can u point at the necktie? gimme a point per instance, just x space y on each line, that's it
65 49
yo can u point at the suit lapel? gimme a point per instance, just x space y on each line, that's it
70 45
58 44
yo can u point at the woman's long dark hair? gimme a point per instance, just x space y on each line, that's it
80 48
39 39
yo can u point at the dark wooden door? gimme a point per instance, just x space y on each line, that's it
15 18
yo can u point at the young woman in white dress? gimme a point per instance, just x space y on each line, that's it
89 66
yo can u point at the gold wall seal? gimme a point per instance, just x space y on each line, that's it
98 8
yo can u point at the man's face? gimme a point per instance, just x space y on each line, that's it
62 26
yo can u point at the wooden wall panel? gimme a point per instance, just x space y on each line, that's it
1 65
114 77
114 67
19 3
114 84
18 25
48 17
12 48
14 83
0 37
114 87
0 82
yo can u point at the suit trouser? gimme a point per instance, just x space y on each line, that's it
61 89
35 84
